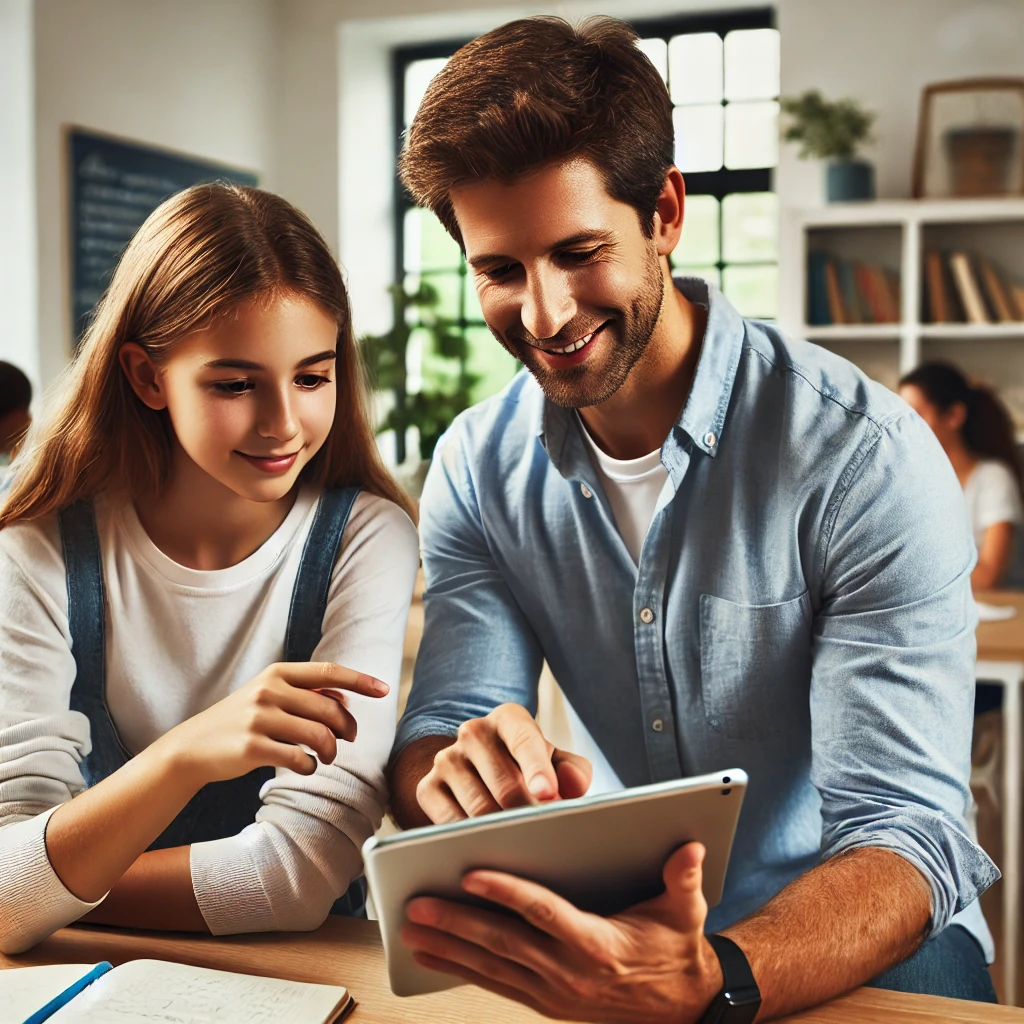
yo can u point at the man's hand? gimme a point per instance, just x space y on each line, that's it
650 963
499 762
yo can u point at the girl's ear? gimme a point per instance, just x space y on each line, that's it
143 375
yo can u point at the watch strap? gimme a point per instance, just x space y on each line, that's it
740 998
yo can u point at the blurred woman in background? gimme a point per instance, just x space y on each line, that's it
976 432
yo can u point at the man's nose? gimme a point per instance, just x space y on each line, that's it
548 303
277 417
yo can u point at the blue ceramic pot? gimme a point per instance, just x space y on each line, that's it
849 180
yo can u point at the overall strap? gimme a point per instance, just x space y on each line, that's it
306 617
86 623
313 580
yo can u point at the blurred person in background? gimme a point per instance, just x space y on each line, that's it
15 398
976 432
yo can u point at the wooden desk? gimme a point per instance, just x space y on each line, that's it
346 952
1001 660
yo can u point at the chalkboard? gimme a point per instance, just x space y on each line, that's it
115 186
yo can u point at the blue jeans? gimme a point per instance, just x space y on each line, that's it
952 965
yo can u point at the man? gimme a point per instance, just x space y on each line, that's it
732 550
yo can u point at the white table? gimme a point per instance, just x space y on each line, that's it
1001 660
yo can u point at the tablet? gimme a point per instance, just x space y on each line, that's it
603 853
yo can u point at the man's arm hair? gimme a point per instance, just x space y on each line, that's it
404 774
834 928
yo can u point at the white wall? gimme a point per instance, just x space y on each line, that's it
199 76
18 295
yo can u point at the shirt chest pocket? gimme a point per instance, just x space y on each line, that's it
755 663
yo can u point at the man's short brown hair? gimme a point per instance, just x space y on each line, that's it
536 91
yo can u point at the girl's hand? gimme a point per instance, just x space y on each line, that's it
264 722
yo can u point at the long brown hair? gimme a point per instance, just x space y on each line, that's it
988 427
200 255
539 90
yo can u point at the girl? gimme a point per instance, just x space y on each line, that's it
976 432
205 573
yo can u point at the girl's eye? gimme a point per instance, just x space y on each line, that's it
312 381
234 387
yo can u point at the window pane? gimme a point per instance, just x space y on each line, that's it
471 302
448 287
657 54
752 290
752 64
490 362
699 241
695 68
752 134
698 137
417 77
750 227
427 245
710 274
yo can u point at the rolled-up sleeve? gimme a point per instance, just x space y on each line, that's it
478 649
892 688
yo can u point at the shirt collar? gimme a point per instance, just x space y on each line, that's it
702 419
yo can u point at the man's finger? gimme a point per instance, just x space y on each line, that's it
437 802
683 875
499 934
519 732
575 773
518 995
493 763
538 906
315 675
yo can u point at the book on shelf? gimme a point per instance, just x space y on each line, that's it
841 291
964 288
968 288
161 991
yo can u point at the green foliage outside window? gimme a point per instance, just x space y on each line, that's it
386 359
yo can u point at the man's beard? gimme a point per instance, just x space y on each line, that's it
577 387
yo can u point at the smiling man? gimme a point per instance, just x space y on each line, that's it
731 548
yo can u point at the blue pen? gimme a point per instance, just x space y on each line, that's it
69 993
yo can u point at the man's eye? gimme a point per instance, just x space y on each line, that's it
582 257
497 273
312 381
234 387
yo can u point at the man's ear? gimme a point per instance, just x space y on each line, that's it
668 215
143 375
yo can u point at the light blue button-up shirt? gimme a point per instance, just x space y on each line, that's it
801 609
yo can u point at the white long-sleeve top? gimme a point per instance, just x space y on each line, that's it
177 641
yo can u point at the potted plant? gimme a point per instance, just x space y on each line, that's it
832 130
446 372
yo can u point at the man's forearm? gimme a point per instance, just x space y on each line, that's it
404 776
834 928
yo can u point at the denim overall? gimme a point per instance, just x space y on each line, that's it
219 809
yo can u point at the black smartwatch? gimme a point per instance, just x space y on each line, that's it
740 998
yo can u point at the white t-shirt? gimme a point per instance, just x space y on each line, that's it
633 488
178 640
992 496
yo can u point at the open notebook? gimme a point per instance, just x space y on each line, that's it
143 991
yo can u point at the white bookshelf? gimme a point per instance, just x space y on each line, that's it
896 235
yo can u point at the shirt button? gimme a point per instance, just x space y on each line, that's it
657 725
710 439
646 615
586 491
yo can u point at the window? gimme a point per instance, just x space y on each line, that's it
722 71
